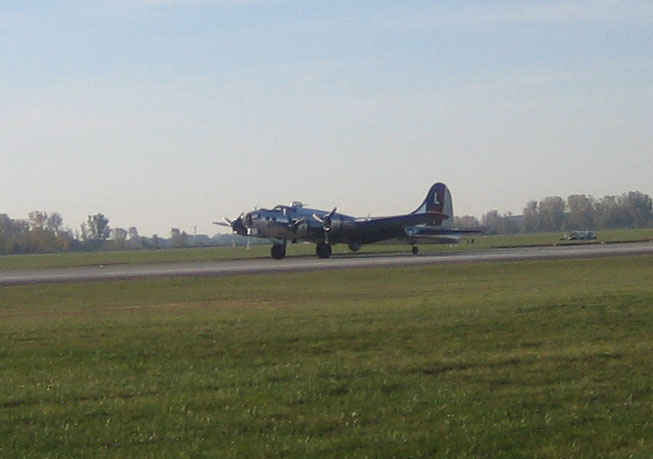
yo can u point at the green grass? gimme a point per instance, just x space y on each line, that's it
76 259
523 359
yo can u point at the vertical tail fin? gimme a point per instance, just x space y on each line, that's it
438 201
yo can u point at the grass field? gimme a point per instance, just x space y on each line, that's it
74 259
521 359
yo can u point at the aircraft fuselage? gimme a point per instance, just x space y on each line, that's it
298 223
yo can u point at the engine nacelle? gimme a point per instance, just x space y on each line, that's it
300 230
339 225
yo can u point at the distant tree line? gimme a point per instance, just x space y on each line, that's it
578 212
39 233
42 232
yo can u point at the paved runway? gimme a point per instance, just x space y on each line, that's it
268 265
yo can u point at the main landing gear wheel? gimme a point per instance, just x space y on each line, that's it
323 250
415 250
278 251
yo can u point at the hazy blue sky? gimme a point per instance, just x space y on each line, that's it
164 113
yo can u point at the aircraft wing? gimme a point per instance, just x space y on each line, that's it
438 232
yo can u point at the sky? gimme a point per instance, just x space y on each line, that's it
175 113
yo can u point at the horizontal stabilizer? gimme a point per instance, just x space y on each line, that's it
438 233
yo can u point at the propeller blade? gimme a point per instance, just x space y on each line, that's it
326 218
295 222
236 225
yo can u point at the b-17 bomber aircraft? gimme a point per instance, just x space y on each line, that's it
294 222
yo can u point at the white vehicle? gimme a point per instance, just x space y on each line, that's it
580 236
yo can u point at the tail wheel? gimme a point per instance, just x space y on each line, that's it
354 246
415 250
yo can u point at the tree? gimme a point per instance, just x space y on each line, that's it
54 222
581 212
66 239
14 235
42 232
119 236
637 206
495 223
98 226
178 238
608 213
6 233
96 230
466 221
37 219
135 241
492 222
83 232
133 233
552 213
510 226
531 217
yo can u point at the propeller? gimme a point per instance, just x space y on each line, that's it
326 223
237 225
223 223
326 220
294 223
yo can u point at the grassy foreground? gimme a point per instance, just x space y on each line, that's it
522 359
74 259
